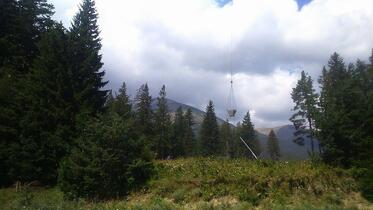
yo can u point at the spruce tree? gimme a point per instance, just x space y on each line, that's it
162 125
189 136
209 133
22 24
305 108
122 104
336 146
178 132
108 161
109 100
47 126
144 116
35 21
237 148
273 146
345 115
247 133
85 61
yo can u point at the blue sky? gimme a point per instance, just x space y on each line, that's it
221 3
301 3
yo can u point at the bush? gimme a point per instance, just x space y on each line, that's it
108 162
366 183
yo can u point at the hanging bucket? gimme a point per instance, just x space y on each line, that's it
231 108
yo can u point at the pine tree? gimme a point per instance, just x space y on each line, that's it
109 100
305 108
143 113
162 125
108 161
209 133
121 104
85 61
47 126
247 133
22 24
273 147
336 146
237 148
178 132
10 25
35 21
189 136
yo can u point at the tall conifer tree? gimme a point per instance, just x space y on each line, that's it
189 136
209 133
305 108
273 146
22 24
162 125
247 132
337 147
178 132
47 133
144 116
85 61
122 104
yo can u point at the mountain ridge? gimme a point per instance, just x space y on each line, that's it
288 149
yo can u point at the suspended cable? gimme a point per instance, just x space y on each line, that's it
231 109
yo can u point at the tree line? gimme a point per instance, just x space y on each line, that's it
60 125
173 134
340 116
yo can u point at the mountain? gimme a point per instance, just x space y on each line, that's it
289 150
198 114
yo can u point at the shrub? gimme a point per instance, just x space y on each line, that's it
108 162
367 184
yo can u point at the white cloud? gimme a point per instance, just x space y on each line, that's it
186 45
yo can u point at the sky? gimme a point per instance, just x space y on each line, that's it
191 46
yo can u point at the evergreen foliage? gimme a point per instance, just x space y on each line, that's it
237 148
162 125
273 147
209 133
189 136
109 160
85 61
144 115
247 133
305 108
22 24
178 132
121 104
343 118
226 137
47 124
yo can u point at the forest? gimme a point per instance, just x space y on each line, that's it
62 128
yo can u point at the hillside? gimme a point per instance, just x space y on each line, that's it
208 183
198 114
289 150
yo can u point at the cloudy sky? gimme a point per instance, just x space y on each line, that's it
191 45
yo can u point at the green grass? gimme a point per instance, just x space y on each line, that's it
211 183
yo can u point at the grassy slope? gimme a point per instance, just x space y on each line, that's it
204 183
